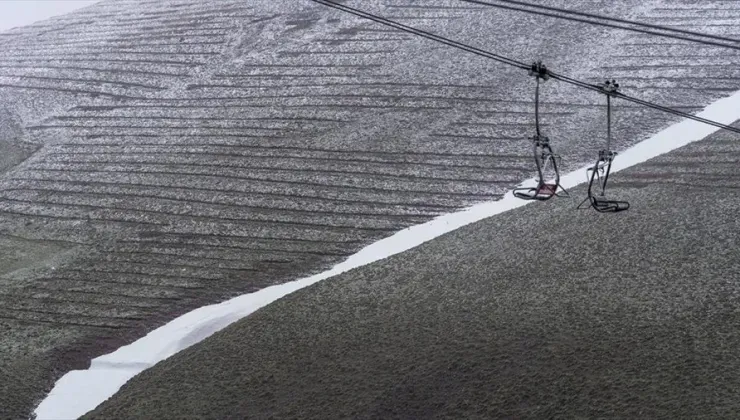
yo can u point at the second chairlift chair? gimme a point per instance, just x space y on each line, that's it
600 171
543 154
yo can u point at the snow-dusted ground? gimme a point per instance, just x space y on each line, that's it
17 13
78 392
184 152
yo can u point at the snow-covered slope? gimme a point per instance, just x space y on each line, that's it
540 312
108 373
180 153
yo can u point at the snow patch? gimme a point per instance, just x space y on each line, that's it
90 388
79 392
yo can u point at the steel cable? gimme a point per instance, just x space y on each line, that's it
516 63
623 21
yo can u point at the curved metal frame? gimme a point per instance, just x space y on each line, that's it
543 154
604 164
599 202
543 157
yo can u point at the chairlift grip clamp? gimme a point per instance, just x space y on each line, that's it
609 87
539 70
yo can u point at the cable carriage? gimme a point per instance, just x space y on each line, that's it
598 175
544 158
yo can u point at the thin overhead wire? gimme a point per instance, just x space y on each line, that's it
496 3
425 34
515 63
643 102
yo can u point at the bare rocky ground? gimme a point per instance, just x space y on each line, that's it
542 312
157 156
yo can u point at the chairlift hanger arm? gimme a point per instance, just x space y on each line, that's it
539 71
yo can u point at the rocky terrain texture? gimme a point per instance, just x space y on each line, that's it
156 156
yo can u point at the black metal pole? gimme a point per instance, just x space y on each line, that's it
608 122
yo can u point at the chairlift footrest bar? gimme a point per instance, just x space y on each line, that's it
543 193
609 206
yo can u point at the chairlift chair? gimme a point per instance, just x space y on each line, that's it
598 175
544 158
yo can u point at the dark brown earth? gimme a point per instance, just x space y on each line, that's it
542 312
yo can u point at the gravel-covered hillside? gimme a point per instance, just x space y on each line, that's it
156 156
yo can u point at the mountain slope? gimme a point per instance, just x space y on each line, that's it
542 312
171 154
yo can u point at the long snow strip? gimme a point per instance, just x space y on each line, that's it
81 391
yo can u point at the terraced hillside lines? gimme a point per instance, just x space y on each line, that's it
635 311
677 66
191 151
95 54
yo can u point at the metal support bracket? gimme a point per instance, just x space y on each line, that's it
539 70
